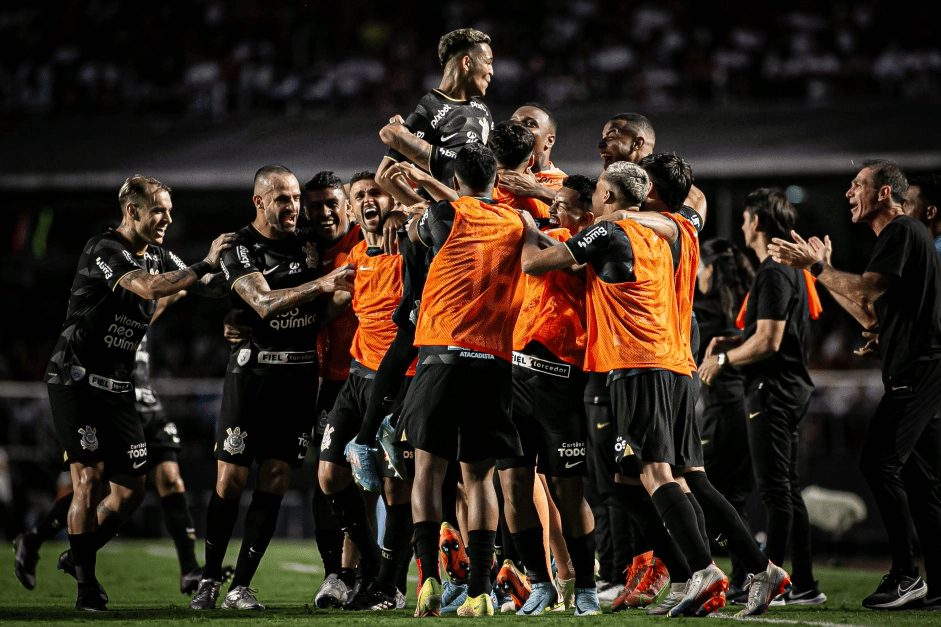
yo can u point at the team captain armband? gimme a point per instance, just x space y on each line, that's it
201 268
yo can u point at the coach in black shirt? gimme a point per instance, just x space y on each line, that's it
899 296
773 361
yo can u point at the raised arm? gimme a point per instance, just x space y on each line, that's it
155 286
526 186
435 188
857 294
656 222
393 181
254 290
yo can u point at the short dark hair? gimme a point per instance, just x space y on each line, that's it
929 188
671 175
541 107
637 122
138 189
512 143
264 173
323 180
776 214
459 42
584 186
365 175
476 166
885 172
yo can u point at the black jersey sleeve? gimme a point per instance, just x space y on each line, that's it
607 248
893 246
435 225
772 293
592 242
237 262
693 216
111 261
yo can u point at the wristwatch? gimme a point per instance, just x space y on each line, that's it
816 269
722 359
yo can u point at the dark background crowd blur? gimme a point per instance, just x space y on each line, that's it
201 93
215 58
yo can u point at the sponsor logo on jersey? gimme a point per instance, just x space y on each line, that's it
242 254
621 446
571 449
292 320
244 355
295 267
89 439
109 385
450 154
312 257
470 354
137 451
127 255
179 262
448 137
121 333
479 105
235 442
591 235
76 372
268 271
225 270
105 267
420 134
443 111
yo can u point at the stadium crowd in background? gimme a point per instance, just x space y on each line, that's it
503 311
242 57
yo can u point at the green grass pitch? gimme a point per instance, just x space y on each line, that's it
141 578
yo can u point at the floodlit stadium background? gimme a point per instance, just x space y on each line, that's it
201 94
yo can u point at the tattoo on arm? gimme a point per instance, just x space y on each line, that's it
155 286
266 302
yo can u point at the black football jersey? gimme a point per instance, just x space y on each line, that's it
448 125
291 337
105 322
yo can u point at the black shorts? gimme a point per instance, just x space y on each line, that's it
96 425
346 418
644 409
265 417
459 407
687 435
548 408
162 437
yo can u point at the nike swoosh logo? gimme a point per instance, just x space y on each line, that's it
750 416
573 464
139 464
899 387
364 268
269 270
301 455
801 595
445 138
327 262
602 425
